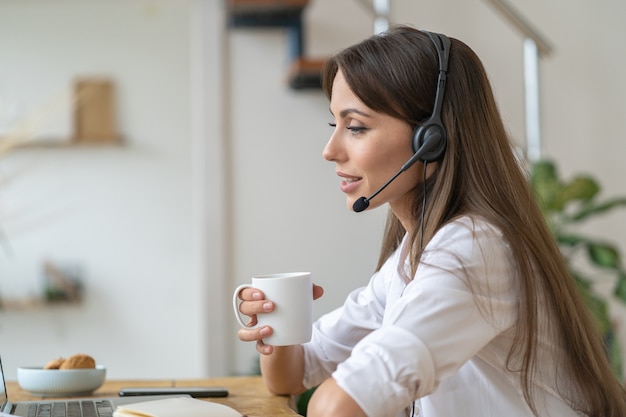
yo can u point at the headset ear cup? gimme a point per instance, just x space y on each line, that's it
433 132
417 138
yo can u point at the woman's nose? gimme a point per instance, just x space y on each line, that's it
331 151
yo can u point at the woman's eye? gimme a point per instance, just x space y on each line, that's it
356 129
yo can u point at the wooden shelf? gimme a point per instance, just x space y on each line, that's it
265 6
94 121
55 143
306 73
34 304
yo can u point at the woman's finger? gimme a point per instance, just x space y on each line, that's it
251 294
250 335
317 291
264 349
252 308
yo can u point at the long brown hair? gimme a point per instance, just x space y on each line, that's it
395 73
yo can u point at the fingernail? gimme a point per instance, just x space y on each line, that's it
256 295
265 331
267 306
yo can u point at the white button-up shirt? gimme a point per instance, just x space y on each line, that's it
441 338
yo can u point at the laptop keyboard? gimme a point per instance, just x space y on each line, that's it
88 408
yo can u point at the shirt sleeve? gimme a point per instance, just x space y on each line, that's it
336 333
462 296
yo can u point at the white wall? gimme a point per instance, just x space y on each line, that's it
124 213
222 175
288 210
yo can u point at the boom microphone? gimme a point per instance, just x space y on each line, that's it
431 142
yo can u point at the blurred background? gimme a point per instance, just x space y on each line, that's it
123 236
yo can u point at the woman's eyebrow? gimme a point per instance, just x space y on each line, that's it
345 112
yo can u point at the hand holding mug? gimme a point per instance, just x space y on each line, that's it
280 309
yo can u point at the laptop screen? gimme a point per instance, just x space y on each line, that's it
3 389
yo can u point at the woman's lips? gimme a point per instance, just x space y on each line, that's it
349 183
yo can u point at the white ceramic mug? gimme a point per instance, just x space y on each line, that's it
292 318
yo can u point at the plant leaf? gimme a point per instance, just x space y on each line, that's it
581 188
620 287
546 185
604 255
594 209
544 171
571 239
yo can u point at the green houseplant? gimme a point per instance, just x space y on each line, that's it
566 205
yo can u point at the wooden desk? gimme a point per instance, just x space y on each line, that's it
247 395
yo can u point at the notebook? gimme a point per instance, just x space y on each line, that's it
80 407
175 407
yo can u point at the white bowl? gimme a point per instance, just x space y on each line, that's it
60 382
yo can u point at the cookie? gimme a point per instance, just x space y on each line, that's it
78 361
54 363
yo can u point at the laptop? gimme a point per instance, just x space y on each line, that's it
79 407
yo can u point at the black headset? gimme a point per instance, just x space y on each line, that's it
432 129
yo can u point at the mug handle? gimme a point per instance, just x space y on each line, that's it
237 302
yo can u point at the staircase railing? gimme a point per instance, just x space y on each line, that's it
535 47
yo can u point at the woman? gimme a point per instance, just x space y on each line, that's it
471 311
